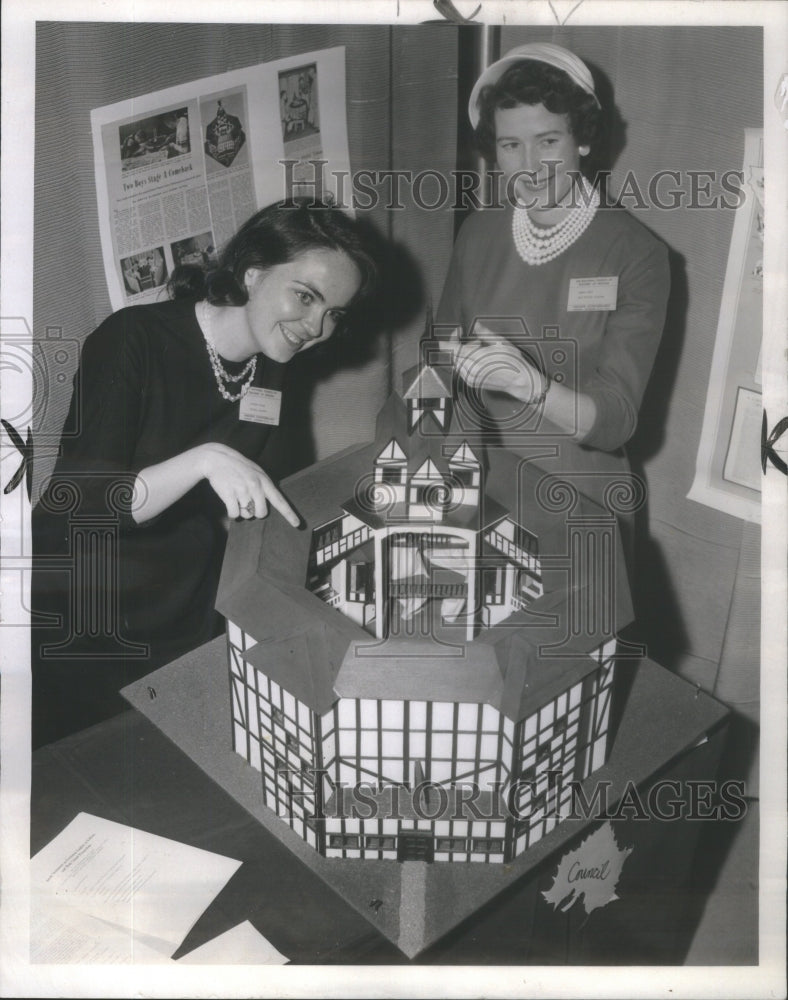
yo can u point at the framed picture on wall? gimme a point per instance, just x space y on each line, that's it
728 465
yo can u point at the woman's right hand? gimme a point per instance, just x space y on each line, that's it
242 486
491 362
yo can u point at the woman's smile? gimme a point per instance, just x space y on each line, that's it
295 342
291 307
294 306
537 153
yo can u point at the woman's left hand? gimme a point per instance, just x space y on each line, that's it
491 362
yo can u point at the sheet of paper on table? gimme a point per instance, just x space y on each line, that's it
241 945
105 892
63 935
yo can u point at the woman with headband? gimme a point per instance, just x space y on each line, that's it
557 304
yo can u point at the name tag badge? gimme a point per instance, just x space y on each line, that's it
593 294
261 406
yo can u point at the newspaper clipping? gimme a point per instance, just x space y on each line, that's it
179 171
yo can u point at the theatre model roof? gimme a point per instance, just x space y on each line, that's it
320 654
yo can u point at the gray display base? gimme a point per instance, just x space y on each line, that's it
189 701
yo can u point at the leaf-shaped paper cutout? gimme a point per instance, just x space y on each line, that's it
590 873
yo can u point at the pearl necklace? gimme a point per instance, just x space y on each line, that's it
220 372
537 244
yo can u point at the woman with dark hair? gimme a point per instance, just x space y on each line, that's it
174 404
558 303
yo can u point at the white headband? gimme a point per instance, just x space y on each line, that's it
553 55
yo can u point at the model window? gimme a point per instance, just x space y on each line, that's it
358 581
451 844
433 494
523 539
543 752
375 843
486 845
494 584
391 473
527 585
329 535
342 840
465 477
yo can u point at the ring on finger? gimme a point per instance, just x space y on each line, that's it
248 508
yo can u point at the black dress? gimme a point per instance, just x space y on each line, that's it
111 599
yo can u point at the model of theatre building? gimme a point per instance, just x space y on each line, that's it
421 671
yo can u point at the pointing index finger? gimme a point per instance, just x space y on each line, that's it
276 499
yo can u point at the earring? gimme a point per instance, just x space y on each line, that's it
584 150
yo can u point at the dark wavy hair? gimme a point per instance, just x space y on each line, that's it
532 82
275 235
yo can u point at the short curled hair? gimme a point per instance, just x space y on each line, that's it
531 82
276 235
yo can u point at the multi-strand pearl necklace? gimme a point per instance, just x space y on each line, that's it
537 244
220 372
